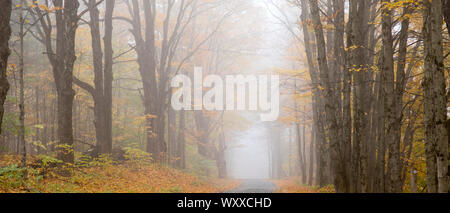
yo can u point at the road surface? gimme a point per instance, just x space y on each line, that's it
254 186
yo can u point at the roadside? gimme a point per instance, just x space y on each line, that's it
293 185
105 177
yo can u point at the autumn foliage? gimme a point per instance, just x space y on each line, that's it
104 177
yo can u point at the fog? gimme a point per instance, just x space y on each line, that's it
236 37
249 155
184 85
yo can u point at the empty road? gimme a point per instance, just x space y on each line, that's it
254 186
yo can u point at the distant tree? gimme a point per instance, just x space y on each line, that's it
159 60
103 75
22 141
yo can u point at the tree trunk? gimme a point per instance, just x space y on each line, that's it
274 142
45 123
38 122
181 162
103 76
220 156
346 104
98 90
435 99
62 61
360 71
5 33
311 158
66 25
317 98
171 136
146 57
446 13
329 96
22 141
300 146
379 181
108 74
343 75
390 110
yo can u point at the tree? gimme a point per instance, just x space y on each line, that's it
318 117
330 100
22 141
103 75
435 99
388 79
62 59
156 59
154 85
342 74
361 73
5 33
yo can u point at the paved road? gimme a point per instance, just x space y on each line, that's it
254 186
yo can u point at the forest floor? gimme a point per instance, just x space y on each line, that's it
103 176
294 185
106 178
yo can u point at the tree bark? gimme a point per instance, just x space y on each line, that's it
330 99
435 99
66 26
446 13
389 90
343 75
38 138
108 74
361 72
311 158
317 97
5 34
300 147
45 123
22 141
